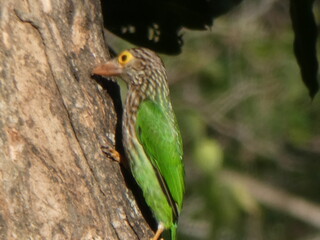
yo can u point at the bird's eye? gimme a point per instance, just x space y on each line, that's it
125 57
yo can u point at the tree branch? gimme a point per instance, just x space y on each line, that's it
55 180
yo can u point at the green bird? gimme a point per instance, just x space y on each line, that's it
151 136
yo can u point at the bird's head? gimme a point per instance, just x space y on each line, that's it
136 66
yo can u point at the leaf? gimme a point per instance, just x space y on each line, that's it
305 30
208 154
156 24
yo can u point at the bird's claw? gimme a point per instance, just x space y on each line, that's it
158 233
112 153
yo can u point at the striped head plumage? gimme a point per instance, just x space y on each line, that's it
141 68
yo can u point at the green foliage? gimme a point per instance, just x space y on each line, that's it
240 85
209 155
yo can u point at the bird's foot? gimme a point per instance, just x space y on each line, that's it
158 233
112 153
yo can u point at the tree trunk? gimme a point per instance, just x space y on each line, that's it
56 183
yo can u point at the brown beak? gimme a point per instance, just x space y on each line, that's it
109 69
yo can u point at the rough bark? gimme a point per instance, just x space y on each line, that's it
56 183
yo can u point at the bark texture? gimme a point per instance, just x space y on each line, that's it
56 183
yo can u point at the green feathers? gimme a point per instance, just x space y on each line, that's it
157 132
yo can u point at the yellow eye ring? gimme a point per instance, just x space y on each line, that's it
125 57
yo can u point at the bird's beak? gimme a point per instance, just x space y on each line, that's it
111 68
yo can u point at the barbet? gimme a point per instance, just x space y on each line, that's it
151 137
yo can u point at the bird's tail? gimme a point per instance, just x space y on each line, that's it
174 231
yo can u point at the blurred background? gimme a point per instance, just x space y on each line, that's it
251 132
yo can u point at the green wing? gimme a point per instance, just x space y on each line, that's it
160 137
